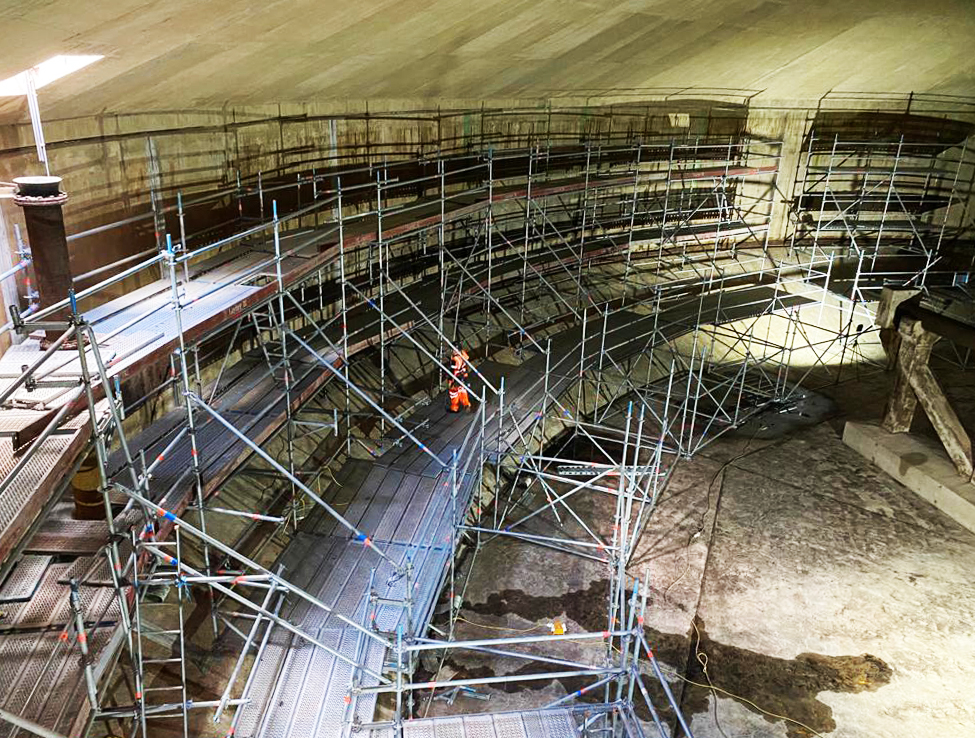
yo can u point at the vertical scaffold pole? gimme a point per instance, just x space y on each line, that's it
528 223
190 420
582 369
181 594
140 694
582 231
482 452
398 717
239 194
663 218
618 580
183 248
626 643
497 462
544 408
453 539
382 298
345 318
285 362
633 204
441 234
490 241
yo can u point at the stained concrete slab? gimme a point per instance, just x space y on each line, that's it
819 554
844 563
919 464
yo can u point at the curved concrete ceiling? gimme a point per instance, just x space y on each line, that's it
185 53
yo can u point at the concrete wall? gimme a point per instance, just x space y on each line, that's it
105 160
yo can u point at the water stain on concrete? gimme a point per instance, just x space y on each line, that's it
787 687
784 687
912 459
586 607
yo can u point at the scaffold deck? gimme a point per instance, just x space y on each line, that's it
527 724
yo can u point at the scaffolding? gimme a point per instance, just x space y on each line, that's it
621 292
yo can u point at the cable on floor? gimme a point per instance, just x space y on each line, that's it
749 702
495 627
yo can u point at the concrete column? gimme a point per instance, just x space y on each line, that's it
789 127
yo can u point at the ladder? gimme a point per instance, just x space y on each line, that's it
161 696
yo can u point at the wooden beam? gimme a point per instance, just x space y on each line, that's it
915 382
914 350
943 418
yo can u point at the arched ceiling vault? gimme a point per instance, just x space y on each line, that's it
185 54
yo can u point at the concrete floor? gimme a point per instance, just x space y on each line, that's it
808 581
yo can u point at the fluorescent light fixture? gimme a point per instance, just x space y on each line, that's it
45 73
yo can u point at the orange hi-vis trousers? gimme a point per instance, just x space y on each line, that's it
458 398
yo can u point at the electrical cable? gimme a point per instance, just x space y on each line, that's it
702 659
699 655
495 627
749 702
732 695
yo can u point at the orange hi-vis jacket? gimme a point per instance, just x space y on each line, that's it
458 363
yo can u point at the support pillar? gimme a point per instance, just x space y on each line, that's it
89 504
41 198
915 384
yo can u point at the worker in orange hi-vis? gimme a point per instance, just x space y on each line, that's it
453 392
455 387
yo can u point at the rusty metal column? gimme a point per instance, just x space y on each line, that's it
89 504
41 198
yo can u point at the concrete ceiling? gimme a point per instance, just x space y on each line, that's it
181 54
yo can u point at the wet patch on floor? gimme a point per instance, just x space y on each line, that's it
803 409
587 606
786 687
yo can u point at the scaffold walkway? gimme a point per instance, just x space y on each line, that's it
527 724
413 506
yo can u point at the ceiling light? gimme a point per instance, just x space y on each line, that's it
46 72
